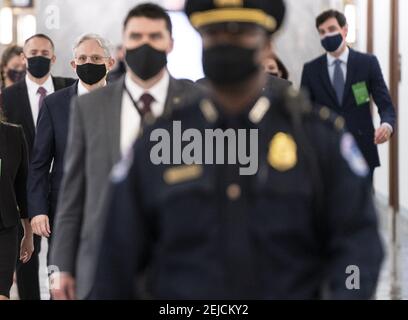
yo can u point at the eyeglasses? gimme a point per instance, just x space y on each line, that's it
96 59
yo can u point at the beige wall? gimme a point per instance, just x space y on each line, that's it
297 43
403 102
76 17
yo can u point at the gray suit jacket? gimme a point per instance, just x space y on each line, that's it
93 149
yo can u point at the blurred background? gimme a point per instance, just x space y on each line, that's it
375 26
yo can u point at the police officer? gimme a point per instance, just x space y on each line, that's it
302 226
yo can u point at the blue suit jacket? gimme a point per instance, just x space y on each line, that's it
49 149
361 68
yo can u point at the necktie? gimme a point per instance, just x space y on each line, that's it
338 81
146 100
43 93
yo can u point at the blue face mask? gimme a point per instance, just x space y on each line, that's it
332 43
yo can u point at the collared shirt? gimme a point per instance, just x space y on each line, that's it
34 96
344 60
81 89
130 118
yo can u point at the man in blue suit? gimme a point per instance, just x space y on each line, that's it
344 80
92 61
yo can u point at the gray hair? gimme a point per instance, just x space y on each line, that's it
103 43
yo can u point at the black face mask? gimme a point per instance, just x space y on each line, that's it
38 66
332 43
229 64
91 73
145 61
16 75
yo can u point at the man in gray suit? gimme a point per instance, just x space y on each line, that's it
103 127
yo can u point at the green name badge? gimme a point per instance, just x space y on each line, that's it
361 93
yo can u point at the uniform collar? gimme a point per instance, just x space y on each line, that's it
255 114
343 58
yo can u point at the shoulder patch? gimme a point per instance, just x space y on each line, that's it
353 156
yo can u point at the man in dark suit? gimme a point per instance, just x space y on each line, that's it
103 127
21 104
344 80
92 61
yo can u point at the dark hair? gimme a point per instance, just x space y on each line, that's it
282 68
7 55
151 11
323 17
40 35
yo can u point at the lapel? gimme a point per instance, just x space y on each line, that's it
71 92
58 83
351 72
73 89
113 108
324 74
26 113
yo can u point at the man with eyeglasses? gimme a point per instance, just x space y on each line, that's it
92 61
103 127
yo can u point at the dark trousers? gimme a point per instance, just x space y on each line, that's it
371 176
8 253
27 273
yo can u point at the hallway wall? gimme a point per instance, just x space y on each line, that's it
382 40
297 43
403 102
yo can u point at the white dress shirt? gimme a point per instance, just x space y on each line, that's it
81 89
130 118
344 61
34 96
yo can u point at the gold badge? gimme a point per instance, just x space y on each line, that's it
182 174
282 154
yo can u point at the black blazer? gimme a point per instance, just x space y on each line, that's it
17 109
13 175
361 68
49 148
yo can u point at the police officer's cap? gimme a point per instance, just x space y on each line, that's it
268 14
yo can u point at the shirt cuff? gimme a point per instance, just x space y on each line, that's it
388 126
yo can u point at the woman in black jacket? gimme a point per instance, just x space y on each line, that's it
13 203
